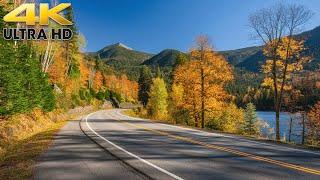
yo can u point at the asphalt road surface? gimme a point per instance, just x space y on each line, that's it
110 145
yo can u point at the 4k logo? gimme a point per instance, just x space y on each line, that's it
30 18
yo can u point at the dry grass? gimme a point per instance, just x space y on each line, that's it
24 137
19 158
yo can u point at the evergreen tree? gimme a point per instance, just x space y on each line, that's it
159 73
157 105
250 124
23 86
145 81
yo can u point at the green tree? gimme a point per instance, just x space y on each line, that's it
250 124
159 73
145 81
157 105
23 86
180 60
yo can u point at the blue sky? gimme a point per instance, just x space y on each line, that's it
154 25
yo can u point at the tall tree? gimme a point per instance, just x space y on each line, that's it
145 81
23 86
203 79
271 25
72 48
158 101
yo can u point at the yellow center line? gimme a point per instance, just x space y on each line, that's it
215 147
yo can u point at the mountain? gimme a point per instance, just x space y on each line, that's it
126 60
121 55
122 58
165 58
240 55
252 58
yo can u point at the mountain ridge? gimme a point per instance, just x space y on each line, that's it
122 57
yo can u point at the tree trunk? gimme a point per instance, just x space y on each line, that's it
290 129
196 121
303 128
277 124
202 99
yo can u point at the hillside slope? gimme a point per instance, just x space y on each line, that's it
122 58
165 58
252 58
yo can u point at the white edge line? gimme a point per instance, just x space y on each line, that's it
131 154
221 135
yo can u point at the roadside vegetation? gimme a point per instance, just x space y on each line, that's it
42 83
203 90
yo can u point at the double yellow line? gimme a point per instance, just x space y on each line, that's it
214 147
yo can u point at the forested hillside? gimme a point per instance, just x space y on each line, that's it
122 59
252 58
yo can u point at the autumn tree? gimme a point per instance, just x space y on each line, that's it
72 49
98 81
276 26
176 103
145 81
203 79
314 125
157 103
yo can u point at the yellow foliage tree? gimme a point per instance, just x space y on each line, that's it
157 103
279 69
203 79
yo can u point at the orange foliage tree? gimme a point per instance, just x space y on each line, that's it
203 79
314 125
98 80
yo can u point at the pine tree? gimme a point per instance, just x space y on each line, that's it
180 60
157 105
250 125
23 86
159 73
145 81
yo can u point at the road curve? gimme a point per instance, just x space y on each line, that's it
134 148
74 156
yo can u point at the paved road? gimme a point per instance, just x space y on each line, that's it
74 156
160 151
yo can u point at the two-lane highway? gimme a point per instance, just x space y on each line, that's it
161 151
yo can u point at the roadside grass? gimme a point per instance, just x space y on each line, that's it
23 137
20 157
135 114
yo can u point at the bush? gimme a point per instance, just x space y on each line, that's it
107 95
100 96
181 116
230 119
116 95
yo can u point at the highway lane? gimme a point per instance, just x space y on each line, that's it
74 156
168 152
